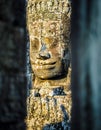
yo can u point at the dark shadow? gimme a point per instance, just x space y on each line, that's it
57 126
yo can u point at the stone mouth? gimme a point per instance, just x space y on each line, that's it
48 63
45 66
44 62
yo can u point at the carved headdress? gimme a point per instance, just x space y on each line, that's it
47 9
50 10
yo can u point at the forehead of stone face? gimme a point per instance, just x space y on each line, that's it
46 27
49 32
51 28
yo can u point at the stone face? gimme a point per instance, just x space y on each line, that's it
48 24
12 65
48 51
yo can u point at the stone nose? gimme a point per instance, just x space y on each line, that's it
43 53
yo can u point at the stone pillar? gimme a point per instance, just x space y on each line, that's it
12 65
49 102
86 64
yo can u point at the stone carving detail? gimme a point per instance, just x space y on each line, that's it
49 103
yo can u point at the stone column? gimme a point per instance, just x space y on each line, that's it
86 64
49 103
12 65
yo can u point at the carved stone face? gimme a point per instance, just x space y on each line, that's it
48 52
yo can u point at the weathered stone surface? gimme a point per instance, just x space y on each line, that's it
48 24
12 65
49 106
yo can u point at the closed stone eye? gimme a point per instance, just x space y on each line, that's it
35 45
53 45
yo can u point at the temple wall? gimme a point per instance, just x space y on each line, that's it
12 65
